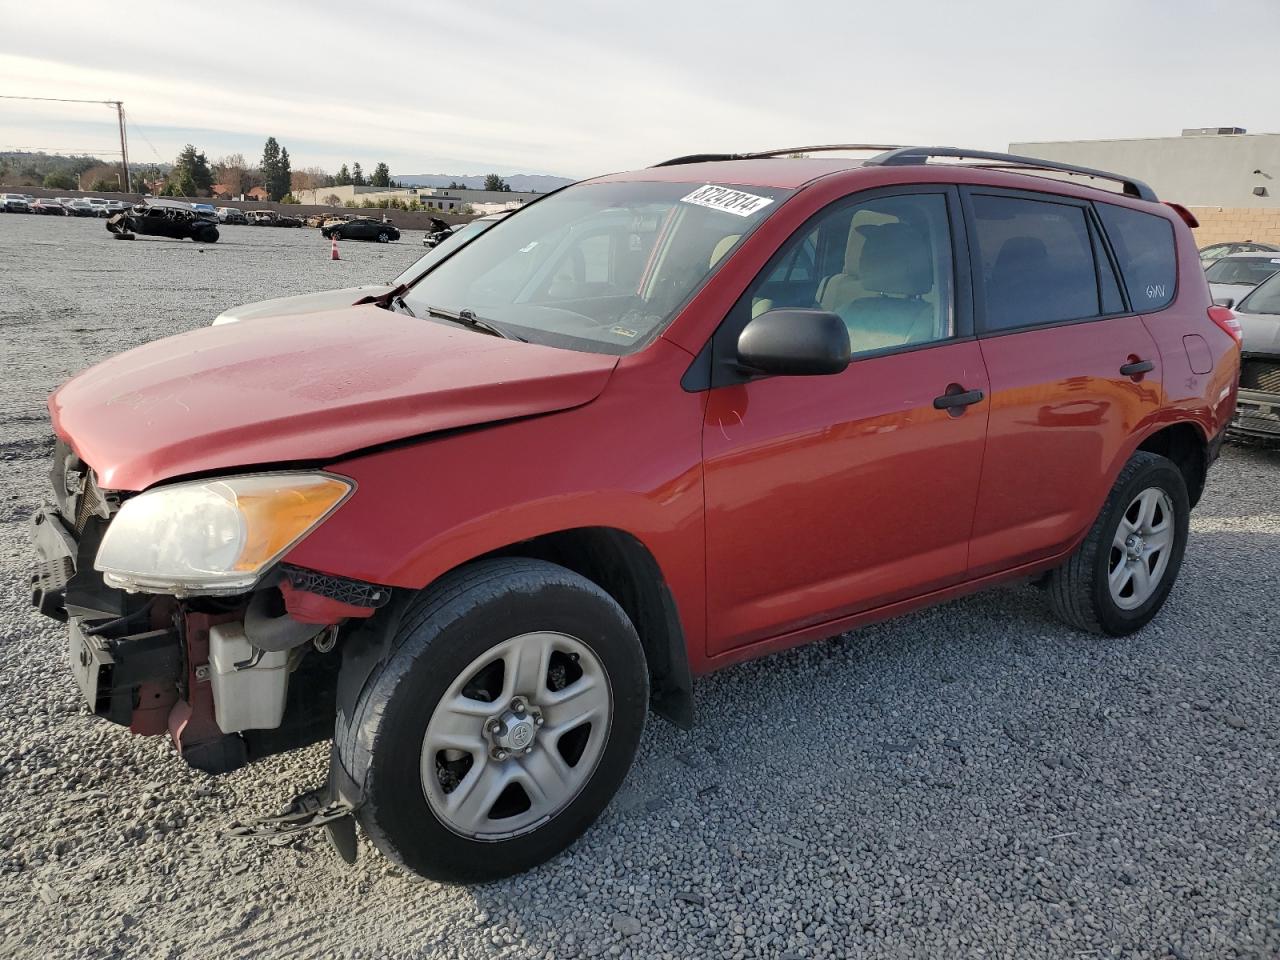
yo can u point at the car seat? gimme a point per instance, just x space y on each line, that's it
896 267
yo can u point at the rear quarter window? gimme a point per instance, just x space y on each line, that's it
1145 250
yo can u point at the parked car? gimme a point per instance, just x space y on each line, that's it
348 296
320 219
362 228
1216 251
438 232
1258 409
231 215
1231 278
14 203
158 217
651 425
80 208
206 208
49 207
101 208
269 218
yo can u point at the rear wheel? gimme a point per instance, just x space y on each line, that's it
502 724
1121 575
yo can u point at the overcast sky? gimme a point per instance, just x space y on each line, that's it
575 87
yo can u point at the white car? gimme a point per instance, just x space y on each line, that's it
346 296
101 208
14 203
1234 276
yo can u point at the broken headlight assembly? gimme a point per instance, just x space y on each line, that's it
213 537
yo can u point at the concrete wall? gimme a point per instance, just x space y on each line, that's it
1219 224
1206 171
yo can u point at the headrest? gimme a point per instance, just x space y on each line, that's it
723 247
1018 253
895 259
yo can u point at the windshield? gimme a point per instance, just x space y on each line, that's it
600 267
442 249
1250 270
1265 298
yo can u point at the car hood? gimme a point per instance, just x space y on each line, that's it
1236 291
309 388
303 303
1261 332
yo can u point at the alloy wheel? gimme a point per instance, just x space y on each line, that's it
516 736
1141 548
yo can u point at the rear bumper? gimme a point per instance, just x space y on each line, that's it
1257 415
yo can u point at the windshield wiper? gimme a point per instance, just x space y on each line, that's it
397 303
468 318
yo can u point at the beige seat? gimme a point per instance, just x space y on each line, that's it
896 268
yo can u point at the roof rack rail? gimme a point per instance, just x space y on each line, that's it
910 155
781 152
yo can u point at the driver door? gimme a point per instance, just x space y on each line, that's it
831 495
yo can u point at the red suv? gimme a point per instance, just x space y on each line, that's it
650 425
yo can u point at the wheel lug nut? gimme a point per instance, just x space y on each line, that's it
517 706
500 755
528 749
537 721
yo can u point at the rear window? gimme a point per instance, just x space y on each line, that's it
1144 248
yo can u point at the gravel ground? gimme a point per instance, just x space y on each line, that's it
973 780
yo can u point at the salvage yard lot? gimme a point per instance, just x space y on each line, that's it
973 780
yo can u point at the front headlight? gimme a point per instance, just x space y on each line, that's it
213 536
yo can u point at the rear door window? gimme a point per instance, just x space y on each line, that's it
1036 261
1144 248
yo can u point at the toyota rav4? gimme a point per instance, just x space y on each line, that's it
653 424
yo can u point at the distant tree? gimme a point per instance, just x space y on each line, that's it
192 173
233 172
289 198
454 185
59 181
494 182
381 176
343 179
357 175
103 186
333 200
275 169
351 204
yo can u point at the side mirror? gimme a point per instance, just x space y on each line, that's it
1224 302
794 343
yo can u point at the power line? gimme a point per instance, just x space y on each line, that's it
118 104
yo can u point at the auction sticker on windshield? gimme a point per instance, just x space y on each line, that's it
729 201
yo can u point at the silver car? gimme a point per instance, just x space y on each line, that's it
1258 406
1234 277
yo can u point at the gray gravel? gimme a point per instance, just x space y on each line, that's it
974 780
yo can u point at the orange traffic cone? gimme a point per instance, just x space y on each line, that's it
333 247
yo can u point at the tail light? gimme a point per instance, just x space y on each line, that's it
1227 322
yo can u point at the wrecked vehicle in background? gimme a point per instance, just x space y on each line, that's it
1258 405
164 218
367 293
269 218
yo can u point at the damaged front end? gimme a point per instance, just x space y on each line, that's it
230 657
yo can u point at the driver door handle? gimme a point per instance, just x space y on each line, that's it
957 400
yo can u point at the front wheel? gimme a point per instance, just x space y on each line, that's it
501 725
1121 575
383 237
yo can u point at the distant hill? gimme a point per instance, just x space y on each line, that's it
520 182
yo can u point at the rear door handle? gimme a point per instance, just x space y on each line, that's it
1136 368
958 399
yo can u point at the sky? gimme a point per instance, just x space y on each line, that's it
579 87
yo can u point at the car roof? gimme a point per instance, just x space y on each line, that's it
1252 255
786 173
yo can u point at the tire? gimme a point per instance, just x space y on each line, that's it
206 235
383 237
1081 591
471 619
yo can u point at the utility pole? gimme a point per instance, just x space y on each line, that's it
119 105
124 148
